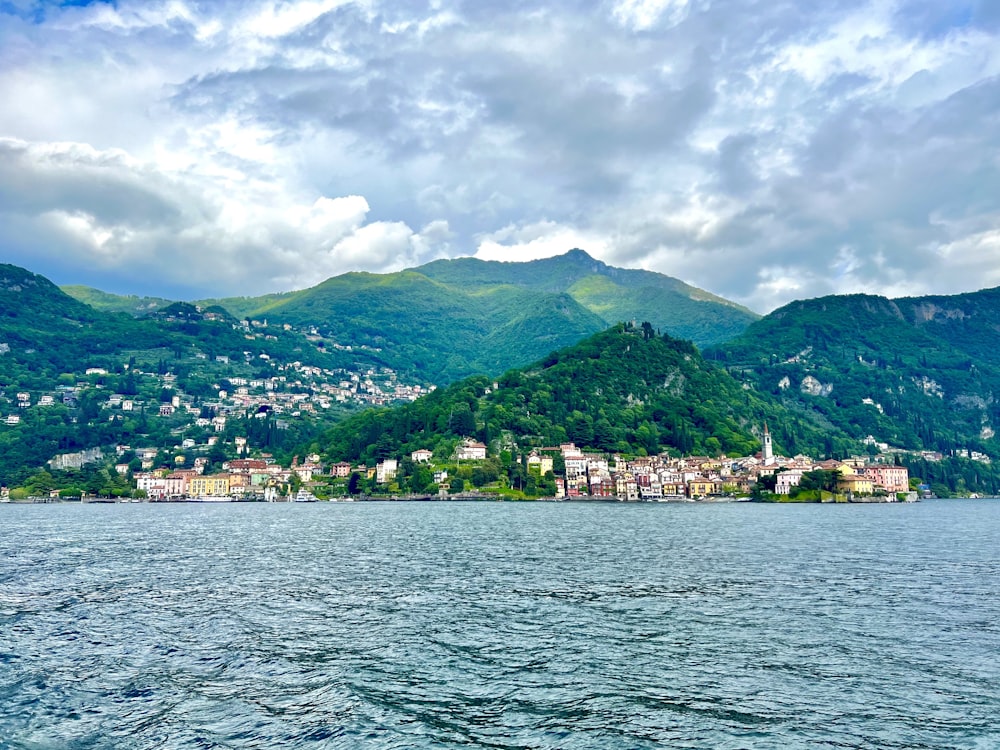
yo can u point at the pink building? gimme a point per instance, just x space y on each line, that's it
889 478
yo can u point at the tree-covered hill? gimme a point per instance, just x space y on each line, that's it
453 318
46 332
614 294
625 389
107 302
918 373
61 361
437 331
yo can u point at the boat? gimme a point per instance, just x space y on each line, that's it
305 496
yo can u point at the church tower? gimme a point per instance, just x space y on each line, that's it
768 452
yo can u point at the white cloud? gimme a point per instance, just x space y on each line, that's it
539 240
762 151
644 14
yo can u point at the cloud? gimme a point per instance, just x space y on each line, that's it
541 240
71 205
761 151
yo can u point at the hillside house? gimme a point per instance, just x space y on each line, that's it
470 450
542 464
385 472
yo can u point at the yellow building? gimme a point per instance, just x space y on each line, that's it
851 481
209 486
541 463
704 488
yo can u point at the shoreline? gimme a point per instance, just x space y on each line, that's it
466 497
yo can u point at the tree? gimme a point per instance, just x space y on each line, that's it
421 478
353 482
820 479
604 434
462 421
766 483
457 484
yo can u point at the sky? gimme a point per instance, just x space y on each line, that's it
764 150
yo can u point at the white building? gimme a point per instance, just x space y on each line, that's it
385 471
470 450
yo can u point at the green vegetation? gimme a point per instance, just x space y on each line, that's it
453 318
626 390
613 294
915 373
954 476
106 302
49 341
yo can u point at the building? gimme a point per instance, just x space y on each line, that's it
214 485
421 456
702 487
470 450
341 470
245 465
385 471
785 480
857 484
892 479
767 452
543 464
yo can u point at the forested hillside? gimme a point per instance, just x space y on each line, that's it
66 369
916 372
453 318
614 294
626 389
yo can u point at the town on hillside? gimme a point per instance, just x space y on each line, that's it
563 472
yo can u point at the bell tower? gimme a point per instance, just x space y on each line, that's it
768 451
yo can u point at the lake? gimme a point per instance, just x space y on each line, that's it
500 625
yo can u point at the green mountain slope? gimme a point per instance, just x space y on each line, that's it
246 307
919 373
453 318
48 332
107 302
437 331
968 322
49 341
614 294
623 389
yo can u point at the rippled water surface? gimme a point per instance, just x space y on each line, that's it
500 625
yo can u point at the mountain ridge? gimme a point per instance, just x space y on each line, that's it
452 318
917 372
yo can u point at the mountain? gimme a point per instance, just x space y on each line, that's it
453 318
45 332
915 372
624 389
66 368
614 294
107 302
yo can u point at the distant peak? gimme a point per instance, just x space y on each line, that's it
578 254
